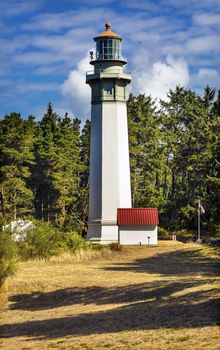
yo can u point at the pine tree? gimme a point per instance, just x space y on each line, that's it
16 157
46 153
213 178
174 160
66 176
56 175
187 130
83 198
145 151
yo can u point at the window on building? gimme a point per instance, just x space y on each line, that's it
108 49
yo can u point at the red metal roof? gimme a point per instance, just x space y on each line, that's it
138 216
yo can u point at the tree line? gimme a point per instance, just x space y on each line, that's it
174 160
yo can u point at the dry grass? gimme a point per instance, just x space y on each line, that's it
164 297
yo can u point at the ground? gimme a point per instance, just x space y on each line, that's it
161 297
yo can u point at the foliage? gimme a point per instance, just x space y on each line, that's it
71 223
145 151
187 124
115 246
184 236
43 241
74 241
83 195
8 256
56 173
174 158
162 232
174 153
16 157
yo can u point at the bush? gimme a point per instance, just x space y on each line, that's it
216 230
74 241
165 238
184 236
8 256
42 241
163 234
115 246
70 224
97 246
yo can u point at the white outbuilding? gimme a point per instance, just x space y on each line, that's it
137 226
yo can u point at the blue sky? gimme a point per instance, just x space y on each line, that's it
44 48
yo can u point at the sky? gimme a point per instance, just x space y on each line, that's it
45 44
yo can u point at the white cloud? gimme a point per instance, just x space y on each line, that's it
57 21
189 5
62 110
161 77
38 58
75 89
27 87
18 7
52 42
207 76
204 44
207 18
50 48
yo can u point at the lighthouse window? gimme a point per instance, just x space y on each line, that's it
108 88
108 49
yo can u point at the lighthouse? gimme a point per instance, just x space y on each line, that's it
111 218
110 187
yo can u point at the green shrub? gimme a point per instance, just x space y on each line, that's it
74 241
8 256
184 236
162 232
42 241
2 222
71 225
165 238
216 230
97 246
115 246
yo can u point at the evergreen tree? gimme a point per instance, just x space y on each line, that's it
56 175
213 178
83 199
46 153
66 177
145 151
187 129
174 160
16 157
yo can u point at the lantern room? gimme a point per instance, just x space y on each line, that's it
108 45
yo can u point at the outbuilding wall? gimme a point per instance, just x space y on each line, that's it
138 234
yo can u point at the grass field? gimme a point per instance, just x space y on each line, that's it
163 297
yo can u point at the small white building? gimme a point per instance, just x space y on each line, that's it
137 226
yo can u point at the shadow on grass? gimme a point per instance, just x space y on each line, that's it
166 303
101 296
182 263
196 309
177 263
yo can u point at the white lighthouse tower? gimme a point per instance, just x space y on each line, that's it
110 187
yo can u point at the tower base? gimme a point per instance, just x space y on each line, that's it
103 233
